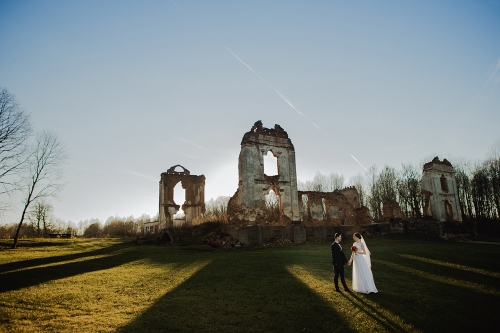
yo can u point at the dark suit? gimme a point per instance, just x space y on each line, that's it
338 260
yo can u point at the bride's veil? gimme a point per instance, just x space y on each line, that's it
367 256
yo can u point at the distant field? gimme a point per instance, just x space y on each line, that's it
112 285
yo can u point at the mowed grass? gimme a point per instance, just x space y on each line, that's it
425 285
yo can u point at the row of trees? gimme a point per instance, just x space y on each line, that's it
479 187
44 223
114 226
30 165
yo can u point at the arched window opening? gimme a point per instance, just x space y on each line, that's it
178 168
270 164
273 206
449 211
323 208
304 204
179 199
272 200
444 183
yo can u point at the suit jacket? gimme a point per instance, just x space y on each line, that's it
338 256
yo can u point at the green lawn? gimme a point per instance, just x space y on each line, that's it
425 285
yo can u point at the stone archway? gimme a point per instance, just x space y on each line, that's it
194 203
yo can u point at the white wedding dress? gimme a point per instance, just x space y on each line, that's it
362 277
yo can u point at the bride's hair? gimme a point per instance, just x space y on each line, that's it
358 235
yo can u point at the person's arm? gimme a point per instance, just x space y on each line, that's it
333 248
362 250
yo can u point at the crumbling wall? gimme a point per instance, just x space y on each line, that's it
194 201
335 208
247 206
391 210
440 191
352 196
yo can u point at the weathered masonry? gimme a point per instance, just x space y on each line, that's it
247 206
302 215
194 201
440 189
337 208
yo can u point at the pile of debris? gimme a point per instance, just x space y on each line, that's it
209 233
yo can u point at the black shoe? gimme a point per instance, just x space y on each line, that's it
347 290
337 290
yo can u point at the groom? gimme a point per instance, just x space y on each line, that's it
339 260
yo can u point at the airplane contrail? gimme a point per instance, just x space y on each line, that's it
285 99
279 94
359 163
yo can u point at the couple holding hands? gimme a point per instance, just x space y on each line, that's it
362 277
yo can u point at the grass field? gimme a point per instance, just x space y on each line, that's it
111 285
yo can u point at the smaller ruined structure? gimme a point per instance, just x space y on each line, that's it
194 201
440 190
151 228
391 210
337 208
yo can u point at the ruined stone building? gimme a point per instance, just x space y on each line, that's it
248 203
305 208
193 204
440 190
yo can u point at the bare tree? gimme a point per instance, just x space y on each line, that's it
482 192
15 128
39 217
216 209
336 182
43 175
319 183
92 231
387 184
323 183
409 191
273 209
463 177
494 174
359 182
374 199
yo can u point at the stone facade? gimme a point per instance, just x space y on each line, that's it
194 201
440 190
151 228
247 206
391 210
332 208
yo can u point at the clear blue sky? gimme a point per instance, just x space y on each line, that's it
135 87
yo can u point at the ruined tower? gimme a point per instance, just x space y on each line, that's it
194 201
248 203
440 189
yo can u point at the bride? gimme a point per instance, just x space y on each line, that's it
362 277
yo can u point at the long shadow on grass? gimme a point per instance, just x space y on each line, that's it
430 298
11 266
27 278
235 295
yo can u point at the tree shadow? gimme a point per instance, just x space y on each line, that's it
375 314
23 264
27 278
30 243
226 295
429 298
